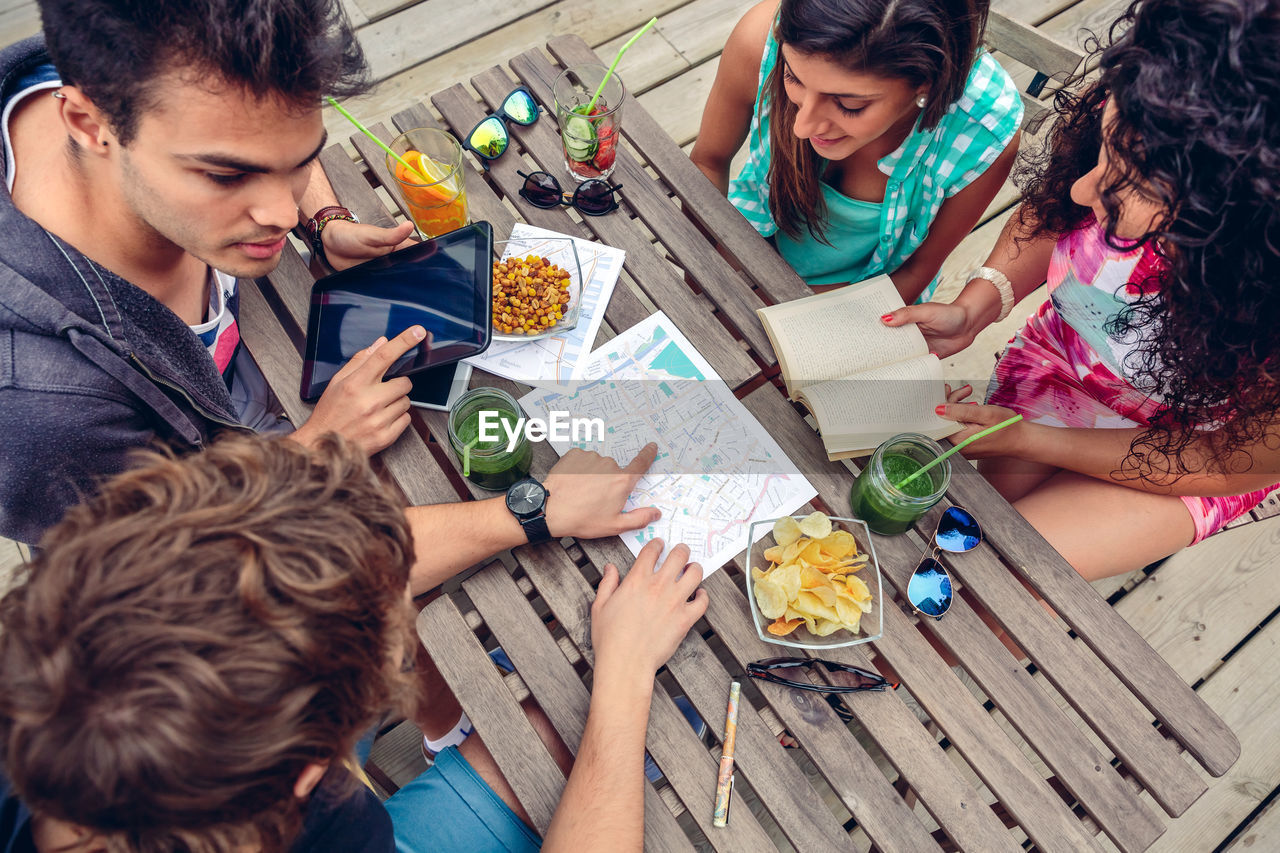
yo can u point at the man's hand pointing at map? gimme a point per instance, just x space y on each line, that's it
587 492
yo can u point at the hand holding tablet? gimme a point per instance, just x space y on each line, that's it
444 285
362 406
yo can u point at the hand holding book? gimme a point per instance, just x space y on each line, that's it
862 380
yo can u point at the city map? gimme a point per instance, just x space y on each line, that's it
717 468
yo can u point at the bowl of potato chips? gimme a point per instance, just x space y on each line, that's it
814 582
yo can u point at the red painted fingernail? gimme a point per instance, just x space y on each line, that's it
886 317
940 410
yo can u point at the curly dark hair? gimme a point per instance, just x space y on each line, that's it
114 50
191 638
1195 86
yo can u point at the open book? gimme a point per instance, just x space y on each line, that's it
863 381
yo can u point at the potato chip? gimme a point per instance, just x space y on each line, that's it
812 553
827 593
839 544
811 577
756 573
849 611
789 579
770 599
775 554
859 592
786 530
808 603
782 627
792 551
826 627
816 525
858 587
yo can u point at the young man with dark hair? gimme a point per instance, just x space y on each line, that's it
192 658
153 152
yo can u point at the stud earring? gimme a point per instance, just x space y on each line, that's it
921 101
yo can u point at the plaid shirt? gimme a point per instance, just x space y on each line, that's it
929 167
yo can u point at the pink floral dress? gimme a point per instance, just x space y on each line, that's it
1063 368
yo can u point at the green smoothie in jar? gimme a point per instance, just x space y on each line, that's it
491 465
876 497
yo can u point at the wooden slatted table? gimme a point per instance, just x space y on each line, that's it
1083 751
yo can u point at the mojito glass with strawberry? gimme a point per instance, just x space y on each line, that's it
429 175
589 131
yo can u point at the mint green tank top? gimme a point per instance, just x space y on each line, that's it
850 240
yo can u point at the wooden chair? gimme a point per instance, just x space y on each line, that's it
1049 58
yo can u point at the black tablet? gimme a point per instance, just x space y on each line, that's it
444 284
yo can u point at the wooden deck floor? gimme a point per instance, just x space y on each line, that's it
1208 610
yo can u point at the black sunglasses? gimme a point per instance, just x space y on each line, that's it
929 589
490 139
594 196
788 672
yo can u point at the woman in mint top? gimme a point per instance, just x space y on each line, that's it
877 132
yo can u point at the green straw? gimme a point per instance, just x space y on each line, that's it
617 59
466 456
970 440
349 117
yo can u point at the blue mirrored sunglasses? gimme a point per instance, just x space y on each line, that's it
929 589
490 137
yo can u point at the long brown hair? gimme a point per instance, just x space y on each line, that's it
192 638
921 41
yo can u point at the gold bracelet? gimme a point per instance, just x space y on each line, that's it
1002 286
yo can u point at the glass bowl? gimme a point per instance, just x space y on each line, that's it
872 623
560 251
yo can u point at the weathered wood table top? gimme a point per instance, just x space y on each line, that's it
1089 745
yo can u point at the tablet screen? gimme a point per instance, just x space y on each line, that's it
444 285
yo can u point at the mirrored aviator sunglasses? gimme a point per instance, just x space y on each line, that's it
594 197
489 139
929 589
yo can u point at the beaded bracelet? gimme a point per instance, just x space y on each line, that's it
316 224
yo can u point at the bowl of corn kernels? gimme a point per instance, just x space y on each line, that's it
537 289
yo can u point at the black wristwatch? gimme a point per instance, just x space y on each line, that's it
527 500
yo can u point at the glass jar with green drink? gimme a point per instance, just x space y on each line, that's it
876 497
488 463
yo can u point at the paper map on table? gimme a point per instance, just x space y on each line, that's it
717 468
557 358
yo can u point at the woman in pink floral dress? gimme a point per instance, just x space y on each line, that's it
1148 381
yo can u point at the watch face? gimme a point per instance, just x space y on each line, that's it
525 497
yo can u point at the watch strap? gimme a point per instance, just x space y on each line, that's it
536 529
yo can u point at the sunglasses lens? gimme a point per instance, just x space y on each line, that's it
929 589
541 190
520 108
489 138
595 197
958 531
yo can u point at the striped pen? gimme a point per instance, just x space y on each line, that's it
724 781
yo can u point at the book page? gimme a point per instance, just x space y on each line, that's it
834 334
860 411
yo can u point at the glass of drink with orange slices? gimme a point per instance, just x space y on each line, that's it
430 178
